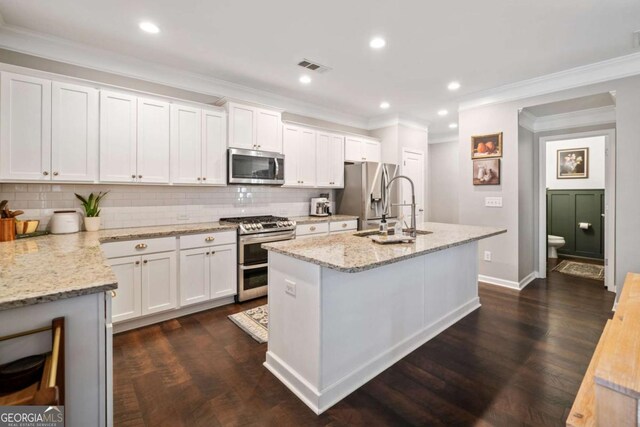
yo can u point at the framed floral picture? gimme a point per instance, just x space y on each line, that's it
573 163
486 146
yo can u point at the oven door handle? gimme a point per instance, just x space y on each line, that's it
277 168
255 240
253 267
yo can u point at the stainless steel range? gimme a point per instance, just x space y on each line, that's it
253 231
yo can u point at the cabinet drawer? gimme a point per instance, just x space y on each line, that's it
139 247
207 239
343 225
317 228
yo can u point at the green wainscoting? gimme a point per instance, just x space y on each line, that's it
567 208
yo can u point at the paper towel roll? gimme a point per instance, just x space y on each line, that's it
584 225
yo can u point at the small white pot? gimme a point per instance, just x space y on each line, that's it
92 223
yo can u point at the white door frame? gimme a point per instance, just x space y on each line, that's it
424 183
610 192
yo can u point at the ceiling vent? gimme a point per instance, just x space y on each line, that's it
313 66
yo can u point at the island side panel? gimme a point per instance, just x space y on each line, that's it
372 319
85 364
294 325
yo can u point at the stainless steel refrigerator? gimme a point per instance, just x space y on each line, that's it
364 193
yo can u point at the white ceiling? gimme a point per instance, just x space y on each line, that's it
483 44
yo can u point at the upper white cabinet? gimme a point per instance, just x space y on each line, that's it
49 130
299 146
329 160
254 128
361 149
198 146
153 151
74 133
118 137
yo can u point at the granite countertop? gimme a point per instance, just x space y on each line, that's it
331 218
48 268
350 253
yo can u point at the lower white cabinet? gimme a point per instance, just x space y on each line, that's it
323 228
147 284
207 273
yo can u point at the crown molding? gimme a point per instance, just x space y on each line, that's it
444 137
62 50
380 122
611 69
574 119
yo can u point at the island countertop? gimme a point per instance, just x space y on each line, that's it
350 253
48 268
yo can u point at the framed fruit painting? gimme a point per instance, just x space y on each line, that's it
486 146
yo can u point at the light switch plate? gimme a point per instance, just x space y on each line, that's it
487 256
290 287
493 202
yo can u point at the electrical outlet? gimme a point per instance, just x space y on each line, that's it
290 287
487 256
493 202
183 217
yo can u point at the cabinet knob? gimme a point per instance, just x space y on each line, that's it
344 225
207 253
137 262
199 178
55 174
45 173
209 239
141 246
213 252
139 176
145 261
312 228
204 178
133 176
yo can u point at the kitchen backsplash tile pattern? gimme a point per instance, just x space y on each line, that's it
147 205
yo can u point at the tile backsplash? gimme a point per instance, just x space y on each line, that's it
146 205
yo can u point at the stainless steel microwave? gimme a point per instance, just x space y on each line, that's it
255 167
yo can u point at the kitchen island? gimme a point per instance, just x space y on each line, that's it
342 308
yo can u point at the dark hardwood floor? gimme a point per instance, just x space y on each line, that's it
518 360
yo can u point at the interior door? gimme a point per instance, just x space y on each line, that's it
153 151
194 276
117 137
159 282
186 145
25 127
127 303
214 147
74 133
222 271
413 167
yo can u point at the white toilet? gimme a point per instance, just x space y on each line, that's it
553 244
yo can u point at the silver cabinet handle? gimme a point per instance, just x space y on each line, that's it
210 239
141 246
277 167
45 173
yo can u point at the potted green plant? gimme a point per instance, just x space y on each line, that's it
91 207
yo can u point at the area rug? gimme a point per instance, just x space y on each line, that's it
581 269
254 322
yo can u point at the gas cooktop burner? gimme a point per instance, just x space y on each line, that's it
261 224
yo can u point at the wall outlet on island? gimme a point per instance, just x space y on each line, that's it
487 256
290 287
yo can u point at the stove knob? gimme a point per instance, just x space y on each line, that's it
259 226
253 226
289 223
279 223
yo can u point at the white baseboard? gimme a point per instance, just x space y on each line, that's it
127 325
320 401
509 283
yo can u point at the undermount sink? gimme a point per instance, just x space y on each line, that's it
367 233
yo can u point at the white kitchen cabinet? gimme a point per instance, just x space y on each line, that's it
153 151
127 303
299 147
329 160
74 133
360 149
254 128
214 147
25 127
159 282
118 137
186 144
323 228
207 273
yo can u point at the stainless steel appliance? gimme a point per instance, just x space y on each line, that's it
320 206
253 231
365 195
255 167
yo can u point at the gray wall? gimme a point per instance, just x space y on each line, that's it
504 117
444 171
527 225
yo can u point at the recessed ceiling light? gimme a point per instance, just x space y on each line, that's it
384 105
377 43
305 80
453 125
454 86
149 27
443 112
